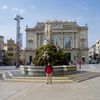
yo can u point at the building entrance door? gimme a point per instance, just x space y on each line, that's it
68 57
30 59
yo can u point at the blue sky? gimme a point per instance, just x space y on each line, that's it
33 11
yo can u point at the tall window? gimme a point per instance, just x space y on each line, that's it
67 41
56 40
31 44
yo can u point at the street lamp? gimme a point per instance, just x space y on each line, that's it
17 18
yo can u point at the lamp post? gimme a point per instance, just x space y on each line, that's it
17 18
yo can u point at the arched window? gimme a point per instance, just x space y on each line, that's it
56 40
30 43
67 41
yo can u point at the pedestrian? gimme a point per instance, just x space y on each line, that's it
48 72
80 64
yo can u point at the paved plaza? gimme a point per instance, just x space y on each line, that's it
88 89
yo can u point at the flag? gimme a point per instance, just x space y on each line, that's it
20 39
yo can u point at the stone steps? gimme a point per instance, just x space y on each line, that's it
76 77
38 79
10 78
42 81
42 78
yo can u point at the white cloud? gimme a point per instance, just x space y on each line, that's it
18 10
22 10
4 7
14 9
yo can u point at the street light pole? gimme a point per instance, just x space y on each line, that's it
17 18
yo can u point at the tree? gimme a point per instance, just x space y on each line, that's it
52 55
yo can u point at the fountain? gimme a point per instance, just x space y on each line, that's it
45 57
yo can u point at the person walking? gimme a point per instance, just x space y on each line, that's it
48 72
80 62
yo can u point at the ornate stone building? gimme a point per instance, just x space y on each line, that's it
10 53
67 35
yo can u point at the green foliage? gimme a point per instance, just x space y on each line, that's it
56 57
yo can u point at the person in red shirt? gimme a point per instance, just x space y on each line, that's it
48 72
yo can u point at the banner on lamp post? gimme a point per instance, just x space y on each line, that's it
20 35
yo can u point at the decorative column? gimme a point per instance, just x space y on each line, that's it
17 18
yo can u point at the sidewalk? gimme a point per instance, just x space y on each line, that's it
85 90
